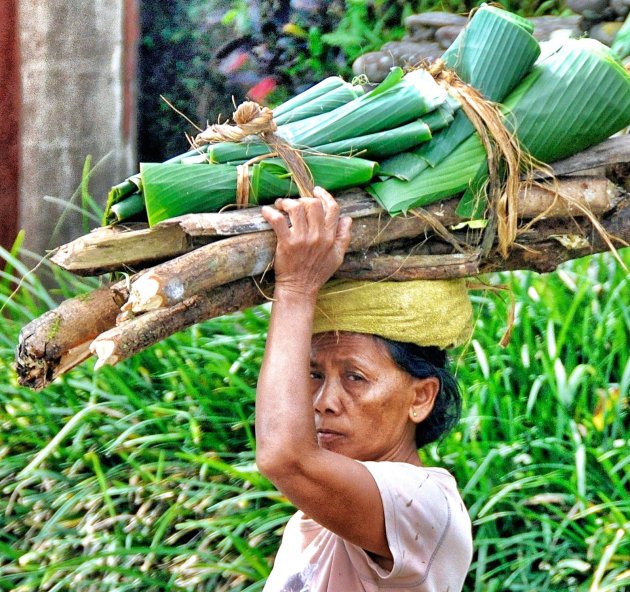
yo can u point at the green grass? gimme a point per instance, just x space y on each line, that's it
142 476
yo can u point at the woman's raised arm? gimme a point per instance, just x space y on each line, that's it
337 492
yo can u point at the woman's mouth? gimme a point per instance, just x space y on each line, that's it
328 435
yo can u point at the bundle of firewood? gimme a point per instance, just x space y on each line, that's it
198 266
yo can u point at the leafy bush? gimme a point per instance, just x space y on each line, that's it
142 476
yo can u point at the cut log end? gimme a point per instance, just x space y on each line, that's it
146 294
57 341
60 339
104 350
38 372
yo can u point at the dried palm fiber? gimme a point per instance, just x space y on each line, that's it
253 120
425 312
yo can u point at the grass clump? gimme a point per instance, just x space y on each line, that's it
142 476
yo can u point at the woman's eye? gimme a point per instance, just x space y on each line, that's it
316 375
355 377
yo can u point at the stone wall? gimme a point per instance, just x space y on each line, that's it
78 99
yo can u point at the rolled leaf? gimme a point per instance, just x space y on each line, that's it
577 95
310 94
176 189
323 104
492 53
396 101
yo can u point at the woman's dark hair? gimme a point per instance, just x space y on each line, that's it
426 362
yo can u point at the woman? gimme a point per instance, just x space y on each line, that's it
336 419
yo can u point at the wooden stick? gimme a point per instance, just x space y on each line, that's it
58 340
354 202
245 255
251 254
403 267
132 247
112 248
125 340
124 246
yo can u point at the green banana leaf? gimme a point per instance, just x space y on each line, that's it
176 189
323 104
132 184
621 43
492 53
577 95
310 94
396 101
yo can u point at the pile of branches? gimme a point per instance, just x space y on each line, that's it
194 267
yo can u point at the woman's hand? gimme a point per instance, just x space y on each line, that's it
312 247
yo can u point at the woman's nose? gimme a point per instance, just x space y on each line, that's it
326 399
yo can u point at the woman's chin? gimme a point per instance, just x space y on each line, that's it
338 447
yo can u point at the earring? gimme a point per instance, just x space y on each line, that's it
415 414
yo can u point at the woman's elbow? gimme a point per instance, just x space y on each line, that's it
278 463
271 461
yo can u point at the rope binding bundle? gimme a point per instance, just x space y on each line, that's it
252 119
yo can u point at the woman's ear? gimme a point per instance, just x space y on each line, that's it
425 392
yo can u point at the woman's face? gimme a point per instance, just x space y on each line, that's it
363 401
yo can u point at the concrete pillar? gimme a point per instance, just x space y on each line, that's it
78 99
9 117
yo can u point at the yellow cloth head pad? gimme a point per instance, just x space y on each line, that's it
425 312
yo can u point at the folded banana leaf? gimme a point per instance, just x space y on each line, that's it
388 116
577 95
492 54
326 95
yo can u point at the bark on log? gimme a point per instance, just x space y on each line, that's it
58 340
110 249
123 341
113 248
537 253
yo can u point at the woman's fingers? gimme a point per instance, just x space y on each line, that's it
277 221
312 240
306 215
297 215
311 220
343 233
314 216
331 207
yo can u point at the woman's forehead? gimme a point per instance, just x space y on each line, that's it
347 345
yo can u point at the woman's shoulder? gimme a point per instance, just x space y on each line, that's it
426 521
399 482
409 471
